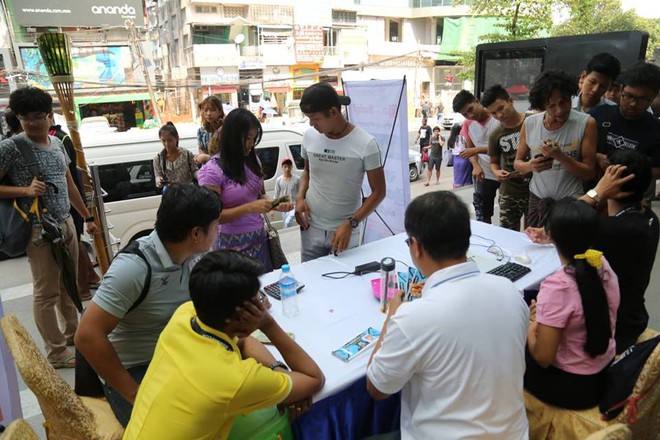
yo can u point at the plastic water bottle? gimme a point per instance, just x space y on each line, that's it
288 293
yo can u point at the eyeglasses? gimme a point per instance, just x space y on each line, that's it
407 241
645 100
34 120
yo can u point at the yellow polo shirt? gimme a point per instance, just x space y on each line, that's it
195 387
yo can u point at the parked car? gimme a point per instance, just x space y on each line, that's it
452 118
416 167
125 166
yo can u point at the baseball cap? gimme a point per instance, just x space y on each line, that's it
320 97
287 160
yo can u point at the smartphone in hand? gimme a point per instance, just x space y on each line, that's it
279 200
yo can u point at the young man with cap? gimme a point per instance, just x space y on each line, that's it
287 185
337 154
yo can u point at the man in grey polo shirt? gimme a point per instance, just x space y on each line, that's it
119 345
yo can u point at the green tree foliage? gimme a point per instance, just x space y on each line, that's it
596 16
520 19
526 19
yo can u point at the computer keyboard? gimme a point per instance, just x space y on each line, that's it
511 270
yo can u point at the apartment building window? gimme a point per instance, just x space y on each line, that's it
344 16
206 9
393 30
329 37
210 34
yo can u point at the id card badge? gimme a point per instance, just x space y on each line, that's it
357 345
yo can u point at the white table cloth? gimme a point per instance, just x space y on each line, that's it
332 312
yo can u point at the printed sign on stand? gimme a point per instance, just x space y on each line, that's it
379 107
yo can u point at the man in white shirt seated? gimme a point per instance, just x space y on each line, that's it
458 353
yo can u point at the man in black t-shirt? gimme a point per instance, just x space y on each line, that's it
628 237
424 135
629 125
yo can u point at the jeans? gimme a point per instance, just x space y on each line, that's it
316 243
119 405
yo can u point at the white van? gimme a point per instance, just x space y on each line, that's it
125 166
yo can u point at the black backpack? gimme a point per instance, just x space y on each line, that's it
621 378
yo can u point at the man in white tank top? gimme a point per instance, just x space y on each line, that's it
558 145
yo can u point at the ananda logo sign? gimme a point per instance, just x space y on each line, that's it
114 10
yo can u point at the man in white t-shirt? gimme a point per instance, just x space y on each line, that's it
458 353
476 131
329 206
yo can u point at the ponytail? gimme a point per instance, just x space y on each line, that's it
594 306
573 226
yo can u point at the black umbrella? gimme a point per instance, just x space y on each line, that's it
52 233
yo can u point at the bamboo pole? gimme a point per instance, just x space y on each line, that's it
55 49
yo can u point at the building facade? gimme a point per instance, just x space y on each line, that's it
109 80
259 54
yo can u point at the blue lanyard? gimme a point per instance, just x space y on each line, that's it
200 331
628 209
455 277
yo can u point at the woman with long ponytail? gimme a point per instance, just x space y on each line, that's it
571 334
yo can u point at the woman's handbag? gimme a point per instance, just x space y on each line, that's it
277 256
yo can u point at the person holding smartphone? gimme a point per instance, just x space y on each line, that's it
561 141
502 149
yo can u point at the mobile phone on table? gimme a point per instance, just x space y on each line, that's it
273 289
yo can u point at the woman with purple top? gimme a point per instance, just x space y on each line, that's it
236 177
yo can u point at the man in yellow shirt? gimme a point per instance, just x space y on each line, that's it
207 370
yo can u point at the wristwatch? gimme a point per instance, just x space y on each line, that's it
354 223
592 194
279 364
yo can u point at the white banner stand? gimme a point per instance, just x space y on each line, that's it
380 108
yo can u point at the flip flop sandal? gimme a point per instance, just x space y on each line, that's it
67 362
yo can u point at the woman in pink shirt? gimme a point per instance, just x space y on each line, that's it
236 177
570 339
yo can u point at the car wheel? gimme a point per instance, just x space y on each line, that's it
414 174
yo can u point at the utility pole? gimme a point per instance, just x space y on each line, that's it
137 46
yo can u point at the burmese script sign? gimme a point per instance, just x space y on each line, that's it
309 43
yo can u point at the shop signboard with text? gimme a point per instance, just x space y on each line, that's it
304 75
308 43
77 12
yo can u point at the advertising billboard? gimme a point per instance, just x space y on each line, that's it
77 12
92 66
